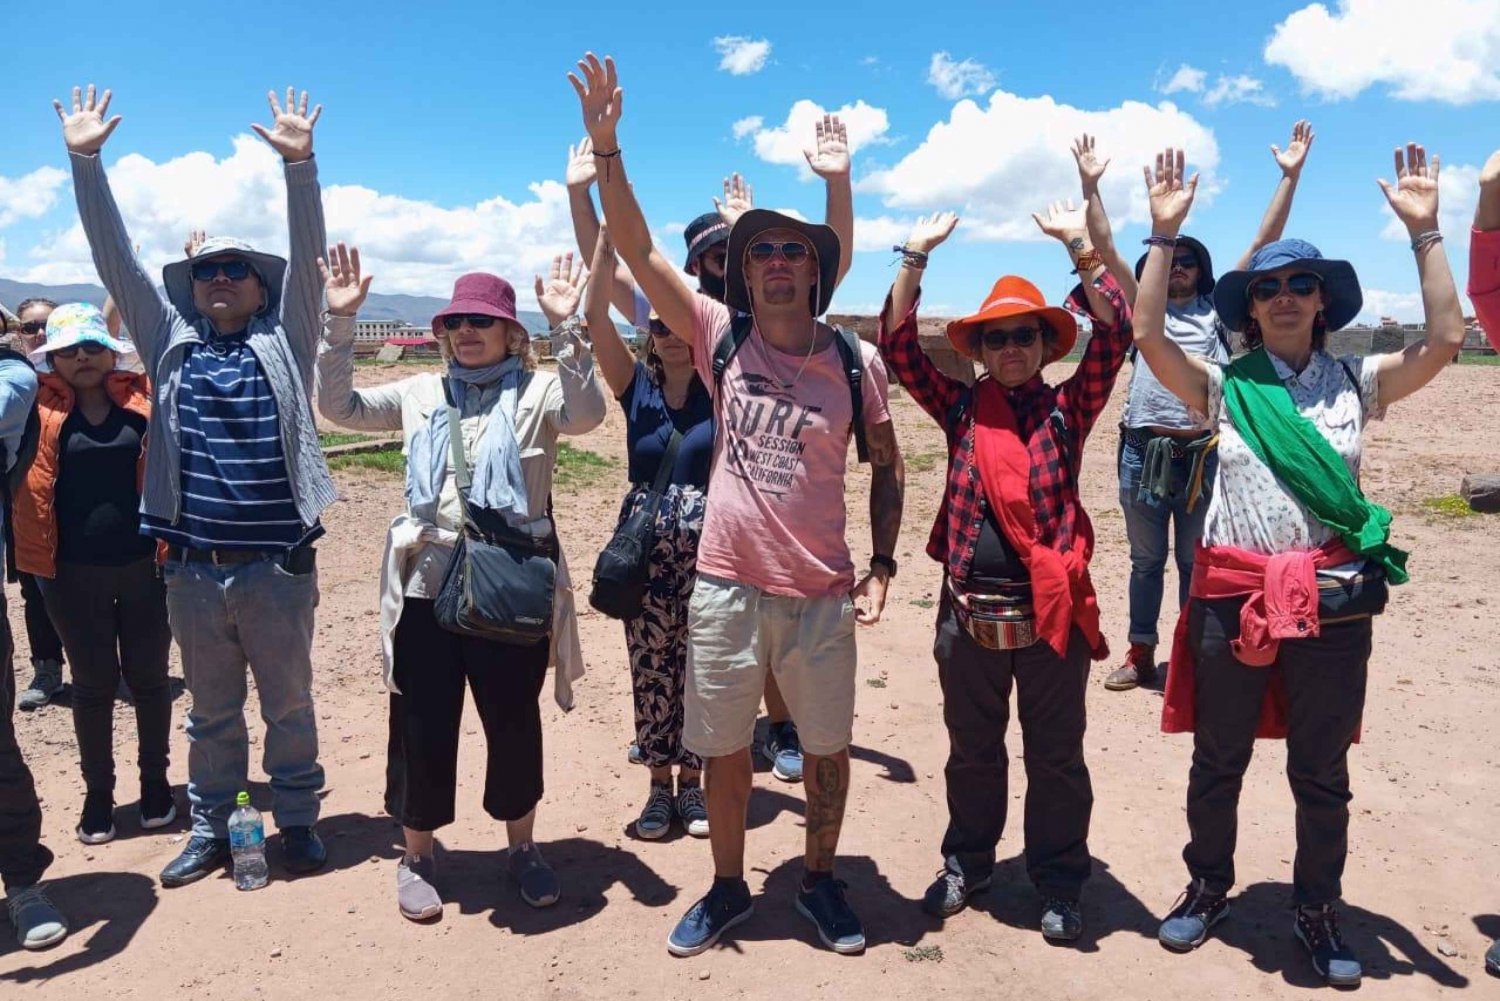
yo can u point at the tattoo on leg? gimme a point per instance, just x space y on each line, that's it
825 814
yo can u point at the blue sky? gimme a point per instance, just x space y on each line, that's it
445 129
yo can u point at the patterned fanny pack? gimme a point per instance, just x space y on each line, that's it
1000 617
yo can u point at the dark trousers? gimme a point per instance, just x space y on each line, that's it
432 667
1324 679
113 621
23 858
41 638
976 685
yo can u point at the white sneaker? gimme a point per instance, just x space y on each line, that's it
693 809
38 922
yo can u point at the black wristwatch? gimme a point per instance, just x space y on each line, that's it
884 561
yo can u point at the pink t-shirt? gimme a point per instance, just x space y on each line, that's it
775 516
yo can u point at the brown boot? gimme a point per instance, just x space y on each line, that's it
1139 669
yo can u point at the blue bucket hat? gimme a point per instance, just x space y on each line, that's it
1342 298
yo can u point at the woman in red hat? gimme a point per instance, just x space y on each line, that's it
510 417
1017 603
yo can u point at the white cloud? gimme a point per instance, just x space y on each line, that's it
954 80
1458 190
1405 307
1186 78
881 233
1239 89
741 55
995 165
747 125
1444 50
29 196
785 143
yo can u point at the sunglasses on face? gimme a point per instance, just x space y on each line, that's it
1186 263
34 327
1022 337
719 257
1301 286
90 348
472 319
792 252
659 329
207 271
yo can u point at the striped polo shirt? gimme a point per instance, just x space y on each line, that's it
235 491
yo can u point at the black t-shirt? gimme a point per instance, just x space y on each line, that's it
95 498
995 559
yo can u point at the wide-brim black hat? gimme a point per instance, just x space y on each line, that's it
824 240
1205 265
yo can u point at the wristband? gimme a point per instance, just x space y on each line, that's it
572 325
1426 239
1088 261
608 155
1160 241
914 259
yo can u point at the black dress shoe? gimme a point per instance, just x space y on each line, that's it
302 850
201 857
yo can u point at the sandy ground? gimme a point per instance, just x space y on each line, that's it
1422 898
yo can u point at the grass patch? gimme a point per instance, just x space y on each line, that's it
1449 506
1470 358
875 682
578 467
924 954
328 439
922 462
923 602
388 461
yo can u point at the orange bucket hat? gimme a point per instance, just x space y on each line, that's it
1013 296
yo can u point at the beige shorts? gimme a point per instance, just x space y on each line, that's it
737 632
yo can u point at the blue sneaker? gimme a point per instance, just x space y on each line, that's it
1191 919
838 926
724 907
1318 930
784 750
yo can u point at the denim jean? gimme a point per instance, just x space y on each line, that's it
23 857
223 618
1147 524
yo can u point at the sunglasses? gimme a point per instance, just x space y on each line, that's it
90 348
475 320
716 256
792 251
207 271
659 329
1301 286
1185 263
34 327
1022 337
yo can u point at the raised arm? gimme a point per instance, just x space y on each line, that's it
1090 171
1067 225
601 98
610 351
830 160
900 346
1185 376
1273 223
580 177
1414 199
577 405
1484 251
377 409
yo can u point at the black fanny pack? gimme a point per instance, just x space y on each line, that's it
1362 595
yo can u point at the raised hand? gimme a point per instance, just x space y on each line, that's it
195 239
343 285
1414 196
1090 167
1170 195
1062 221
739 198
1489 174
1295 156
830 156
929 231
291 128
559 295
582 170
600 96
85 129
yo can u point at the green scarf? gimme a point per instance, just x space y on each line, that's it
1299 456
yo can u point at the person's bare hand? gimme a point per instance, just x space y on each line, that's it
869 597
1414 196
559 294
830 155
1062 221
195 239
1090 167
739 198
1170 195
1295 156
582 170
85 129
291 131
929 231
601 99
344 286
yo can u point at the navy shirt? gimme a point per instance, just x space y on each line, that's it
648 428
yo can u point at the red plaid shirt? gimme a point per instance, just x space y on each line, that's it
1056 454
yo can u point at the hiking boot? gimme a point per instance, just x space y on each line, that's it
158 807
1062 921
535 879
302 851
725 905
1317 928
97 825
656 819
46 681
38 922
692 808
783 749
1139 669
838 926
416 897
951 891
1195 912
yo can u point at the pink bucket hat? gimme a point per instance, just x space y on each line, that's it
479 294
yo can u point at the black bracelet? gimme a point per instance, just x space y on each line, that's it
607 155
1160 241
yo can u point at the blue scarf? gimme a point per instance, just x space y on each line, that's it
495 466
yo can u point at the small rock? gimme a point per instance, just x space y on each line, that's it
275 953
704 975
582 828
1446 948
364 756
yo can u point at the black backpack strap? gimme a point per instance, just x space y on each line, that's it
854 370
729 345
1349 372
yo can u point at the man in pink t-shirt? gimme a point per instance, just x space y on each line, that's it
776 584
1484 265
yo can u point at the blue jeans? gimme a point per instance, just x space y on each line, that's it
1146 527
223 618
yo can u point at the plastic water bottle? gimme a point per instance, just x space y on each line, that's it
247 841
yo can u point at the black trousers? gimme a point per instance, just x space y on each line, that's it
41 638
23 858
113 621
432 667
1324 679
976 685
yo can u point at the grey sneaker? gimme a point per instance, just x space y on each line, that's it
1317 928
534 878
656 819
950 892
46 681
415 894
1062 921
1192 917
39 924
693 809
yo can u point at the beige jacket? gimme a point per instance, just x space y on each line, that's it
571 402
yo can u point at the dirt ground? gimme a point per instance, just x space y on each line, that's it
1422 906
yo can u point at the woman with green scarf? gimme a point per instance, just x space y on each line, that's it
1294 560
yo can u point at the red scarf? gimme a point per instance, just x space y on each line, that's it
1061 591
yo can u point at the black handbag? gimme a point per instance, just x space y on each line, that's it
501 581
623 570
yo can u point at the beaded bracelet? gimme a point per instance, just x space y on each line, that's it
914 259
1426 239
1160 241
